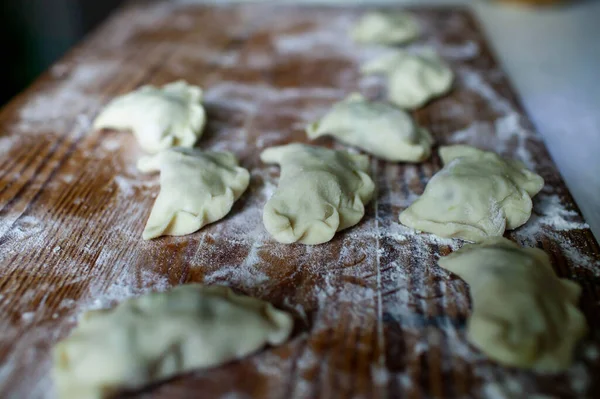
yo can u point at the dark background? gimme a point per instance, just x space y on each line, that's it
35 33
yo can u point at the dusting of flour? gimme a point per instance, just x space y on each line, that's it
378 280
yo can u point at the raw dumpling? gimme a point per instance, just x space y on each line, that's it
386 28
320 191
160 118
523 315
413 79
476 195
375 127
157 336
196 188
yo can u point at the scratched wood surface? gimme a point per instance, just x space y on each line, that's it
375 315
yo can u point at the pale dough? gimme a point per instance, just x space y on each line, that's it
386 28
320 191
476 195
196 188
375 127
160 118
413 78
157 336
523 315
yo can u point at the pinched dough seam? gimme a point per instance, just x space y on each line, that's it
228 197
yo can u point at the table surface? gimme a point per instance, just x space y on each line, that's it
551 54
375 315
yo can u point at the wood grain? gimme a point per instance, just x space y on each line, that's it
376 317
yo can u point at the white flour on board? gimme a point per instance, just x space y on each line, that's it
413 278
140 20
464 51
51 110
548 219
247 97
126 287
473 80
506 133
549 212
323 43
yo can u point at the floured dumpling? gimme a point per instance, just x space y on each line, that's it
375 127
523 315
476 195
413 79
386 28
160 118
157 336
196 188
320 191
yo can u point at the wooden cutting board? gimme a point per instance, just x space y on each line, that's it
375 314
